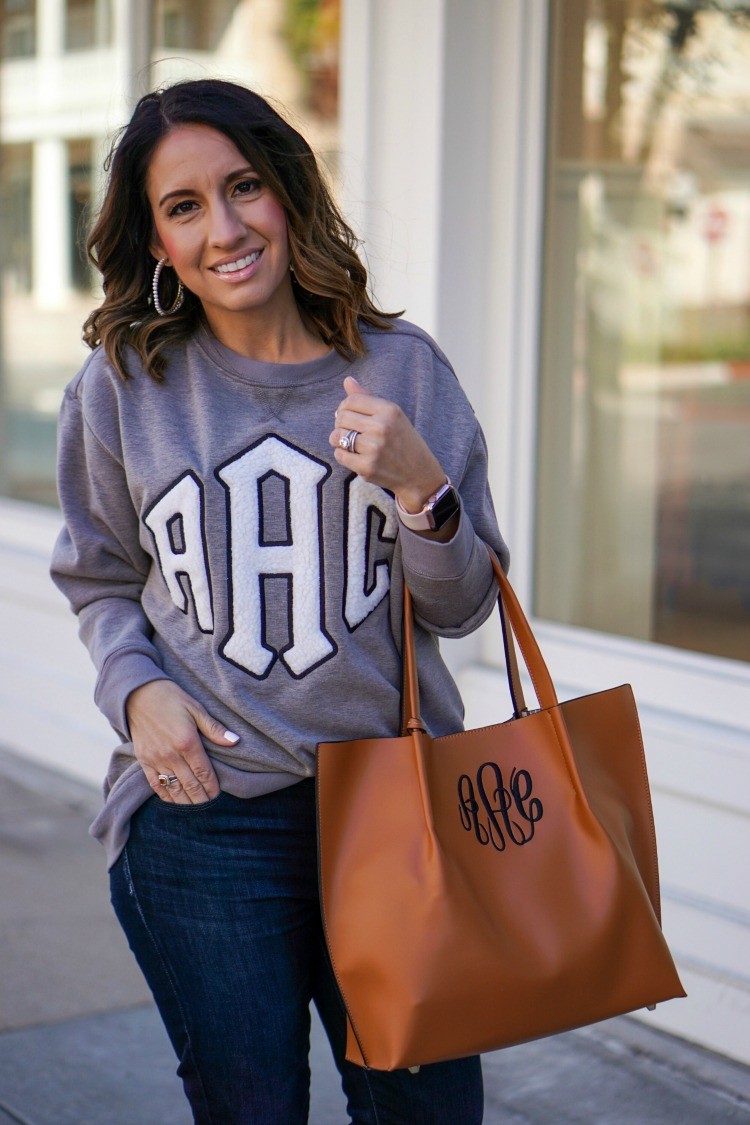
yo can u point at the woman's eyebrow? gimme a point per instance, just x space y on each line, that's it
247 168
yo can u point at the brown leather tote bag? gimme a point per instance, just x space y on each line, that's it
492 886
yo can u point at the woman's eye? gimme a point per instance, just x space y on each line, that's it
184 207
247 187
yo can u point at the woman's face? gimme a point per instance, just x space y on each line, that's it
220 228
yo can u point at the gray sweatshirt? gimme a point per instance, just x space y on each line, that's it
211 538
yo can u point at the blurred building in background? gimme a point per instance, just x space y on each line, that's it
559 191
71 71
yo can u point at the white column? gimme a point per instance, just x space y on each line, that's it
50 223
132 38
50 203
50 28
392 74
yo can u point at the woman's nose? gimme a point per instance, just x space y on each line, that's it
225 225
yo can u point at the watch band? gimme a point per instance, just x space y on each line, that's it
435 513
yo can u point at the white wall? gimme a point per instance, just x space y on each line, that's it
390 150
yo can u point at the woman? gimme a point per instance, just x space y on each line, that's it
251 461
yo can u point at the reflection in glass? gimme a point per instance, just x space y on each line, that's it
643 524
18 24
55 145
87 24
192 24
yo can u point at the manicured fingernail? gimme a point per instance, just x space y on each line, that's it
231 736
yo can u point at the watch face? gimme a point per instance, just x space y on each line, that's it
446 506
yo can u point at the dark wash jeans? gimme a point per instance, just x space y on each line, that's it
220 906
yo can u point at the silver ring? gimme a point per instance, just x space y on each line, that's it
347 441
167 779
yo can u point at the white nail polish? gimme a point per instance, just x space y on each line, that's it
231 736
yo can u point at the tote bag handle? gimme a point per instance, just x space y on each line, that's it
516 629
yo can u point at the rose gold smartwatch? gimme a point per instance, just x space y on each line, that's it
438 509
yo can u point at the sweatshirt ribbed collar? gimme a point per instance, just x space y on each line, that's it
269 374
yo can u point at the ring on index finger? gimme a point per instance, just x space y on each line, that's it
347 441
168 779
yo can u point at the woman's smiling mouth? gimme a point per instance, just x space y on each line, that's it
238 269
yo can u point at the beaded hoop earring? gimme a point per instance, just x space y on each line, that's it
178 301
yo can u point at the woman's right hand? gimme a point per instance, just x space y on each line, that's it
164 723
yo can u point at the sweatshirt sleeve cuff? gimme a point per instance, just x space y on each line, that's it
122 673
433 559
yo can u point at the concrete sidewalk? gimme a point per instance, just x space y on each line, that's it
81 1043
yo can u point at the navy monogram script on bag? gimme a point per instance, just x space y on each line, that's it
427 847
503 814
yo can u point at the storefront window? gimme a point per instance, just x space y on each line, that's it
50 179
643 515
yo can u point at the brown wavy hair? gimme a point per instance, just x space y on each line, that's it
329 279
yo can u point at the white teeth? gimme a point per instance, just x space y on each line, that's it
232 267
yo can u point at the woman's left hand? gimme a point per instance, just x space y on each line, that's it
388 450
